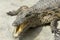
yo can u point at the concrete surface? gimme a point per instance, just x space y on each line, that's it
6 28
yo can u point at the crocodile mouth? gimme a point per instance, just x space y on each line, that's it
20 29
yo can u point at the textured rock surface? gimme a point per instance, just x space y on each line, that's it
6 28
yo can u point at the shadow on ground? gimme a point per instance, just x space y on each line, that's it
32 33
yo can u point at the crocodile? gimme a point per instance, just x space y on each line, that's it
43 12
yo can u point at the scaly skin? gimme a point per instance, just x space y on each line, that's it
43 12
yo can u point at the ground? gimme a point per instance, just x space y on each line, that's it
6 28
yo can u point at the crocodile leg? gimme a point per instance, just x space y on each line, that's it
12 13
54 26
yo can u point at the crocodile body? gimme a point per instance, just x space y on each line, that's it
43 12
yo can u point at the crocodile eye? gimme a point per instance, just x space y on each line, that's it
28 15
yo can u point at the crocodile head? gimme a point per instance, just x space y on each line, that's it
22 21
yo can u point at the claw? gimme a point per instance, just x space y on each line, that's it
56 32
9 13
